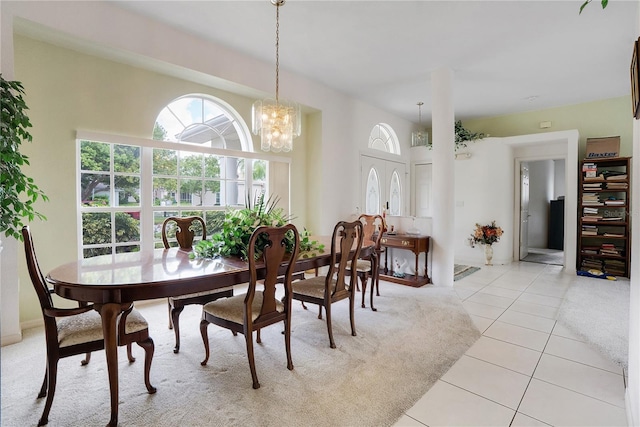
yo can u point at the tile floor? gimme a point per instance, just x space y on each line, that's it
526 369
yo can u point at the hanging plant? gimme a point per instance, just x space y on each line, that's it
18 192
462 136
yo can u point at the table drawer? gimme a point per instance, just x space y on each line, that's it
398 242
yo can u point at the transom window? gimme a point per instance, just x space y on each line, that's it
383 138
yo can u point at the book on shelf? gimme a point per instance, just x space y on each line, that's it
617 186
590 211
612 218
592 185
592 218
614 202
613 235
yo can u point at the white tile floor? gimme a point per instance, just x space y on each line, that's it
526 369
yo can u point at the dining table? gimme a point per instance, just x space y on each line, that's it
114 282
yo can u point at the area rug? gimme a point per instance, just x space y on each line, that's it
371 379
460 271
598 311
555 258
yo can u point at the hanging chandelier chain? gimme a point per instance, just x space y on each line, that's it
277 49
420 104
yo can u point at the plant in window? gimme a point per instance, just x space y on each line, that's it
239 224
18 192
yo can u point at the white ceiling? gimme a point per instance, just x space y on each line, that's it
507 56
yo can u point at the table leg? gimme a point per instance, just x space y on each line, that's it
374 277
109 313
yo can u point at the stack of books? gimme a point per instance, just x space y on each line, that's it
590 170
591 250
610 249
591 186
614 175
591 215
589 230
591 199
614 267
591 263
615 185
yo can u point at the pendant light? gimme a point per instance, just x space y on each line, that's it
420 137
277 121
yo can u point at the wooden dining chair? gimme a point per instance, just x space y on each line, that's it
185 235
373 226
74 331
326 290
255 309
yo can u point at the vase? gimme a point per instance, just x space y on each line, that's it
488 254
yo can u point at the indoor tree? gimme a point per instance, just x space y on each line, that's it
18 192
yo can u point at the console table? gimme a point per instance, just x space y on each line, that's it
414 243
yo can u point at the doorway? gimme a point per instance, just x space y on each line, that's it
542 213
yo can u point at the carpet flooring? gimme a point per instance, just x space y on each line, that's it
399 352
598 311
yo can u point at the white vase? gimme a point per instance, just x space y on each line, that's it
488 254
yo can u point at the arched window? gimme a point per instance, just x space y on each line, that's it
372 196
205 121
395 195
383 138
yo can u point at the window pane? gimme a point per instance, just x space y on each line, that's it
126 159
91 252
190 164
158 219
191 192
95 156
124 249
96 228
234 194
395 195
240 168
211 193
212 166
165 162
127 190
259 170
164 191
214 221
127 227
95 189
372 202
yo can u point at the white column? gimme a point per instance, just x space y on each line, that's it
443 135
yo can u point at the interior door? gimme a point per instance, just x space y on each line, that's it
524 209
383 184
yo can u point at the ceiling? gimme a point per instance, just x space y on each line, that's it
507 56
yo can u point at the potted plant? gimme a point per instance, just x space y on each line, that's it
239 224
18 192
462 136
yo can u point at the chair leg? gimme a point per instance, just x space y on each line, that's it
258 340
319 312
43 389
130 354
86 359
364 278
205 340
149 349
52 374
332 344
352 318
175 319
248 337
287 342
169 307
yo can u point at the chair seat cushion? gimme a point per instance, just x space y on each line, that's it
232 308
362 265
312 287
199 294
87 327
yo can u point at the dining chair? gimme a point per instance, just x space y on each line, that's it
326 290
74 331
373 226
185 235
252 311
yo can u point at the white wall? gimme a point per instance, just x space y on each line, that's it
559 183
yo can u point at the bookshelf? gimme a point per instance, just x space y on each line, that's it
603 216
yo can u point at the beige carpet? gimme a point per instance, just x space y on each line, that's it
369 380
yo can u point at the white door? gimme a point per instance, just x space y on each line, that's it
382 184
524 209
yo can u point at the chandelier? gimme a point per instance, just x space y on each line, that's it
420 137
277 121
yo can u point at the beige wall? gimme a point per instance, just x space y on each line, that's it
68 91
609 117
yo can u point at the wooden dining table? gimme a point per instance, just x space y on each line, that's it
113 282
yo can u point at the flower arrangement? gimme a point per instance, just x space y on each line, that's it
487 234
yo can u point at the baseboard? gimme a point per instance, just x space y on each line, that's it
632 417
11 339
